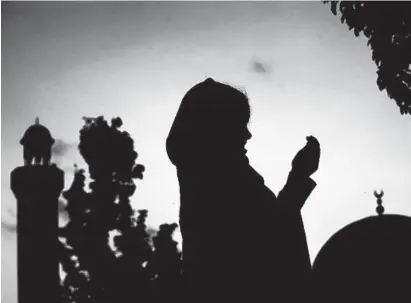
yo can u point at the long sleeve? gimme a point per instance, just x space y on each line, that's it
295 265
296 191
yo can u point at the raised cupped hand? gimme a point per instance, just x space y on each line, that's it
306 161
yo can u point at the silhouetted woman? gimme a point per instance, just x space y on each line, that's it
241 243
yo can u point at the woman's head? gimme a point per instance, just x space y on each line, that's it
211 122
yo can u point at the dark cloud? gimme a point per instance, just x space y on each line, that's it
260 67
9 227
61 148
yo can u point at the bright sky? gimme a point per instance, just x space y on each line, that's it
62 61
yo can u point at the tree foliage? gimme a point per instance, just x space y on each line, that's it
165 267
97 272
387 26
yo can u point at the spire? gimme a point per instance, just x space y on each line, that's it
209 81
380 208
37 121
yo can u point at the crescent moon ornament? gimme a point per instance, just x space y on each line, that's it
379 195
380 208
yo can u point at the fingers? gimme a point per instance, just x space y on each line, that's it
312 139
313 142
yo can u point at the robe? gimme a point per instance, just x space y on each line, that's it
240 241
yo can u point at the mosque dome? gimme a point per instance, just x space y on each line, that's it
366 261
37 133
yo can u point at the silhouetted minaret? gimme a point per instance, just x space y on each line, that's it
37 189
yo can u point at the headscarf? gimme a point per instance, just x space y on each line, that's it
202 124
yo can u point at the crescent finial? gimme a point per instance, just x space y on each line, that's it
380 208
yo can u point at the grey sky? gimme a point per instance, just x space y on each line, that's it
65 60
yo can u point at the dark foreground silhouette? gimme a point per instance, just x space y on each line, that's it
241 243
366 261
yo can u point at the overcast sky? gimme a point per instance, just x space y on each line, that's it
304 72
